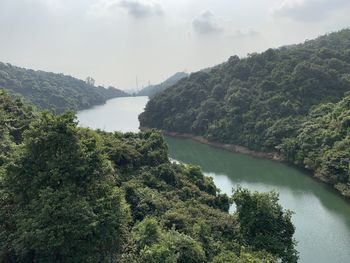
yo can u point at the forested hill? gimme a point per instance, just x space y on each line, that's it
276 100
154 89
54 91
70 194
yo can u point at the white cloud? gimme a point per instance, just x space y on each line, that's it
139 9
206 23
307 10
135 8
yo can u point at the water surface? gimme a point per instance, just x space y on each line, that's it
119 114
322 217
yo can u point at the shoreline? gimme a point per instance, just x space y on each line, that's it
226 146
247 151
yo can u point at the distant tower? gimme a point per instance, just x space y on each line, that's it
137 84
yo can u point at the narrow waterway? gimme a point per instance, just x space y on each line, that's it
119 114
322 218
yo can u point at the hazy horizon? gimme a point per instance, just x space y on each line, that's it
115 41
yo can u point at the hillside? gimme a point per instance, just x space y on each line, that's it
53 91
269 102
70 194
151 90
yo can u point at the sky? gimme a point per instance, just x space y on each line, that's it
119 41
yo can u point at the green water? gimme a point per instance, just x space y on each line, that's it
322 218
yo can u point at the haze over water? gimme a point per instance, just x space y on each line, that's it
322 218
119 114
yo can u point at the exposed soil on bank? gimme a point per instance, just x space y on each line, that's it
244 150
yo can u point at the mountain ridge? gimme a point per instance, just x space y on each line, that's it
48 90
267 101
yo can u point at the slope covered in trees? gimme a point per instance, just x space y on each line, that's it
322 144
151 90
70 194
276 100
54 91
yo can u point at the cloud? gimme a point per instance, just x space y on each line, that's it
135 8
307 10
206 23
139 9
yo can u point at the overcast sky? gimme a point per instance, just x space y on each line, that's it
116 40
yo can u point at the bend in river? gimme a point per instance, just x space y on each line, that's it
322 218
119 114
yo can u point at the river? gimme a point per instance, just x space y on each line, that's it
322 217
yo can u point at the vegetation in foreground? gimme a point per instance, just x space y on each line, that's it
70 194
294 100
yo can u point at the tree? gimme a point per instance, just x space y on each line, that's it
90 81
174 248
245 257
63 202
264 225
157 245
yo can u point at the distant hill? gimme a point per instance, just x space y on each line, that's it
294 99
54 91
151 90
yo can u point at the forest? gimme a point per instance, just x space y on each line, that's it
54 91
294 100
71 194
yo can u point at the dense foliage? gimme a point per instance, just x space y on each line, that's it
276 100
54 91
322 144
152 90
258 214
70 194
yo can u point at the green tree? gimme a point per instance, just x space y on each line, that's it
174 248
64 204
244 257
264 225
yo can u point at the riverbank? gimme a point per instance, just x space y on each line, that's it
266 155
229 147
